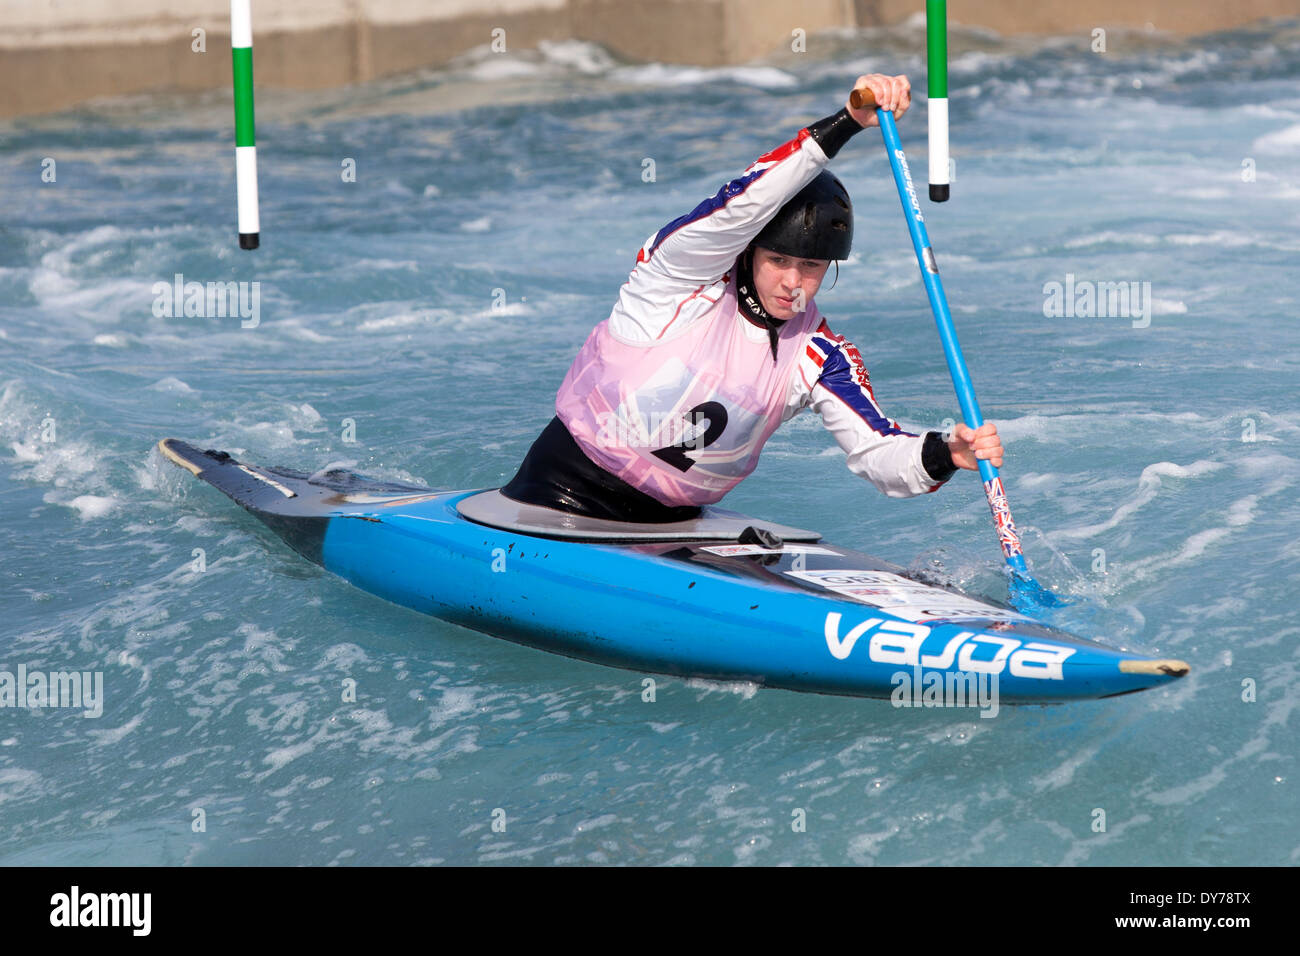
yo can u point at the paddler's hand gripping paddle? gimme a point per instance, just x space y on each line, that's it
1024 589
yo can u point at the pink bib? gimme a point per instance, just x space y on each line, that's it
682 419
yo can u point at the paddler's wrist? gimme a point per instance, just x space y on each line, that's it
834 131
936 458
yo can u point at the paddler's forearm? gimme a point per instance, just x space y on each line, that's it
834 131
894 464
833 381
936 458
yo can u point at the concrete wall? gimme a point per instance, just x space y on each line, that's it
55 54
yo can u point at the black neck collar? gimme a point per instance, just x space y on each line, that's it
747 300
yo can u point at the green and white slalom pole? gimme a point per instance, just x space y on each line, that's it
936 80
241 58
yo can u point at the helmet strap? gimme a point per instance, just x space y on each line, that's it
747 298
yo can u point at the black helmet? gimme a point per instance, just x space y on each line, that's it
816 224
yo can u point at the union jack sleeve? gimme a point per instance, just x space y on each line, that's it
832 379
689 256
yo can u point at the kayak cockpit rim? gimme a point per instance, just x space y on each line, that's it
495 510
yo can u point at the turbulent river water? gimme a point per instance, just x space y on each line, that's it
414 324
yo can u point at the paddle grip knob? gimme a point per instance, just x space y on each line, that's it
862 99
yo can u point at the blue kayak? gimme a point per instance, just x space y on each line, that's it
724 597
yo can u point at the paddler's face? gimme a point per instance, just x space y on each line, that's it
786 284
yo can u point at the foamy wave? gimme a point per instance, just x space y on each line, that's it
504 67
304 417
106 738
558 59
400 321
63 258
510 308
87 506
744 689
551 58
1267 111
15 782
1285 140
1120 238
1070 428
61 463
1149 484
664 74
1219 237
171 384
578 55
295 329
105 299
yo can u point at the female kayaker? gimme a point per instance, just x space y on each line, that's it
716 340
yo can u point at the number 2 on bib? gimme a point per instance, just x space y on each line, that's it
675 455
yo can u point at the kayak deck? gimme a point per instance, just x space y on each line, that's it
494 509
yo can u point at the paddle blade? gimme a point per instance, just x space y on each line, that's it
1030 597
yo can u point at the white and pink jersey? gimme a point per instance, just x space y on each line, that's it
676 392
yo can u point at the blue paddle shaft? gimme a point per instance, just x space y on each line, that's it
948 335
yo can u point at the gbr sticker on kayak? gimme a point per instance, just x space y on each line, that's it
902 644
904 598
732 550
